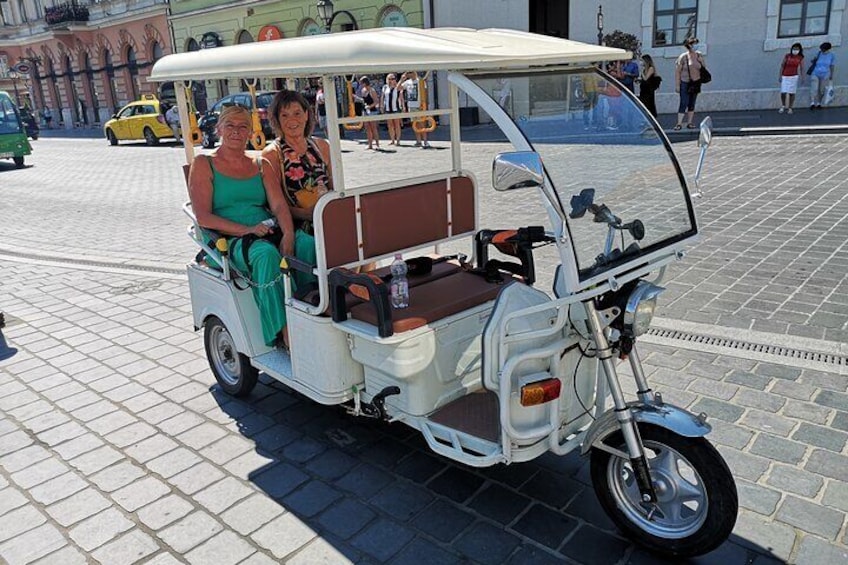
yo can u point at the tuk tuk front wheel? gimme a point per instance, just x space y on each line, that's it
696 504
232 369
19 162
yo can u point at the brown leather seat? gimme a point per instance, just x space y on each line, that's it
435 300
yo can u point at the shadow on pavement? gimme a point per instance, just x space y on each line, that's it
374 492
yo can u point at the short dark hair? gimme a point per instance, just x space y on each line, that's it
286 98
826 46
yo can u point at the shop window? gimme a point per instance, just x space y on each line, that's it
803 17
674 21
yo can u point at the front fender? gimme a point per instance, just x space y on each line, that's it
668 416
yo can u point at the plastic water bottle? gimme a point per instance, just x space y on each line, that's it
400 285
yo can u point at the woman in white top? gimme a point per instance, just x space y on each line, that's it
687 75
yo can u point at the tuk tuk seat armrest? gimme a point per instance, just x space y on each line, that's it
365 286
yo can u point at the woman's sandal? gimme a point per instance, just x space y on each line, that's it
690 126
677 127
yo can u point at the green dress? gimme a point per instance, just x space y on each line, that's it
244 201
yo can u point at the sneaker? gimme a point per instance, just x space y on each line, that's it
426 145
818 106
782 109
417 144
812 107
789 110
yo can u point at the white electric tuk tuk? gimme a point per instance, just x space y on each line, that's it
490 369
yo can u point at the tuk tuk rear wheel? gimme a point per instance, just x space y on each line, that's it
19 162
232 369
697 500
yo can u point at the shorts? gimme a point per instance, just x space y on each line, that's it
788 85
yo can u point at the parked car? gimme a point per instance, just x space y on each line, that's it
13 139
143 119
209 120
30 123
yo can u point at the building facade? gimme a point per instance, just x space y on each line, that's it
207 24
743 43
85 60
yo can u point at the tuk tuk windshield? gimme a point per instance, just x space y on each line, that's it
591 134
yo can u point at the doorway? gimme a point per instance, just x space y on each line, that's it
549 17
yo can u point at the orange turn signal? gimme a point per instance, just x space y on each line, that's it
533 394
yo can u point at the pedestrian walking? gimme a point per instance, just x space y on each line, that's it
412 103
172 118
649 82
371 99
628 73
790 76
47 115
392 104
821 75
687 80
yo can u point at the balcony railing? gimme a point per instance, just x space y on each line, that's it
65 13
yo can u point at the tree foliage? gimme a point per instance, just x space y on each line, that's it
623 40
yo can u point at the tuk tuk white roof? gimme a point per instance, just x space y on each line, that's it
382 49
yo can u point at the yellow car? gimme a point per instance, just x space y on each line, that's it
143 119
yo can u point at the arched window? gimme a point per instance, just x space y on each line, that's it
132 67
110 79
244 37
157 51
192 45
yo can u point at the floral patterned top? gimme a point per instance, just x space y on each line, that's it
306 171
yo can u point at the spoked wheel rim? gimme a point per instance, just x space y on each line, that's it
682 501
225 356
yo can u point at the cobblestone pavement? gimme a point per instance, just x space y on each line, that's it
116 447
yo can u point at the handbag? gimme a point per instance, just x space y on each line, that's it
653 83
706 76
693 87
813 65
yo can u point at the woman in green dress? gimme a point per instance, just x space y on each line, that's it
235 194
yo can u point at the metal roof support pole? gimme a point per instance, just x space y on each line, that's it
455 133
182 105
331 105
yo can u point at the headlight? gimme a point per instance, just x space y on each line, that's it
639 310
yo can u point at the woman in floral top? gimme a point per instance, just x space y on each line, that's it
302 163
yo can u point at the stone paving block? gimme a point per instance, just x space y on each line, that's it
419 467
38 473
196 478
545 526
760 400
117 476
807 411
151 448
99 529
272 439
250 464
798 391
23 458
836 495
164 511
77 446
714 389
13 442
78 506
129 548
321 550
747 379
111 420
812 518
820 436
138 494
331 464
552 489
486 544
57 488
771 423
32 545
760 534
531 553
499 504
45 422
108 383
11 499
93 461
131 434
585 506
777 371
284 535
68 555
832 399
456 484
17 399
778 449
814 551
201 436
743 465
730 435
223 494
797 481
160 411
423 551
165 558
828 464
226 548
252 513
62 391
718 409
180 423
186 392
125 392
311 498
62 433
279 480
757 497
590 545
173 462
840 421
190 531
303 449
25 411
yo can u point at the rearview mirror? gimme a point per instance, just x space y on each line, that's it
519 169
705 138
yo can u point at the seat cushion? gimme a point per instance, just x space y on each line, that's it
434 300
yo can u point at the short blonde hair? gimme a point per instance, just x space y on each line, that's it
231 112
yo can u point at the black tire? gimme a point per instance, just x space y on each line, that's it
150 137
705 517
207 141
19 162
110 135
232 369
35 137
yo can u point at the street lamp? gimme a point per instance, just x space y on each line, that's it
327 13
600 25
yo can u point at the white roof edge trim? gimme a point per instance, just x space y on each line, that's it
382 50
